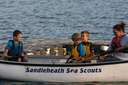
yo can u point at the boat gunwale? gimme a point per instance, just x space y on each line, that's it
60 65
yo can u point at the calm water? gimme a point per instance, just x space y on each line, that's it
59 19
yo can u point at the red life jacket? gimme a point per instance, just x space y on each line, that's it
116 42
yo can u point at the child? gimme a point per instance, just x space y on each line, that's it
74 55
14 48
85 48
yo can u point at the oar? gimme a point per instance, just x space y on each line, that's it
104 53
67 61
99 55
6 57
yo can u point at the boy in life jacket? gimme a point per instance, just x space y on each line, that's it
85 48
74 55
14 49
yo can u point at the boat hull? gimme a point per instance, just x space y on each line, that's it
106 72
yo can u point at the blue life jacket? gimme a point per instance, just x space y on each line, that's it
85 49
15 50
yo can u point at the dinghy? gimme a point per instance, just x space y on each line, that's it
54 69
61 72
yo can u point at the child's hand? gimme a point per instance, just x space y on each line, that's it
78 59
5 55
119 49
19 60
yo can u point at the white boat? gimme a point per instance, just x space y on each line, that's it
100 72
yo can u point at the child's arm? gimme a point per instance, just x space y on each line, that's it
87 58
8 46
6 52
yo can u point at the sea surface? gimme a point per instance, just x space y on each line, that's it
57 20
61 18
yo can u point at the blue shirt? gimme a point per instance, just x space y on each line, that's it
15 49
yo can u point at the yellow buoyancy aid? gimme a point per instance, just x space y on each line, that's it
88 49
74 52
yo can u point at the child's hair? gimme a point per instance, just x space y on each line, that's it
75 35
119 27
85 32
16 33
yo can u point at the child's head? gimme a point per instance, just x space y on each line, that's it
17 35
84 36
76 38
